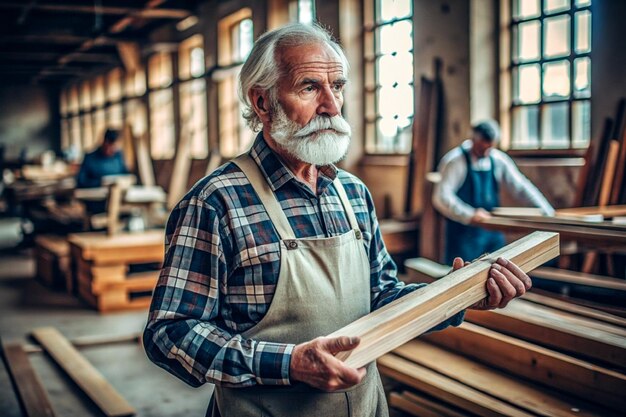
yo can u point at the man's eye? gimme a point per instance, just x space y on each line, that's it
309 89
338 87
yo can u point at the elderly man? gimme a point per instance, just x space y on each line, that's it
471 178
278 248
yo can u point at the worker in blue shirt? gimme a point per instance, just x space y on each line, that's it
108 159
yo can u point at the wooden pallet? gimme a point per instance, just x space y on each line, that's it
102 268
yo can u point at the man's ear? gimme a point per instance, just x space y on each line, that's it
260 104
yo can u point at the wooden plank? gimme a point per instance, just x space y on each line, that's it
144 162
494 383
446 389
528 309
592 192
606 211
148 246
608 174
517 211
591 343
114 203
421 149
92 340
405 318
583 177
536 363
401 402
580 278
611 309
439 407
588 233
33 396
575 309
180 173
620 173
88 378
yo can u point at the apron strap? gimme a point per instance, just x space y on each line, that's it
266 195
347 206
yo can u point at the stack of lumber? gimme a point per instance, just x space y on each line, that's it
540 356
103 268
52 254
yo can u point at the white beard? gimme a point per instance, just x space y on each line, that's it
309 144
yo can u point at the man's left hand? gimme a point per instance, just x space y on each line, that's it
506 281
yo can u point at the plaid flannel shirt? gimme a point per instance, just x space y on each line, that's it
222 263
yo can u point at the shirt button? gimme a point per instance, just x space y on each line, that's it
357 233
292 244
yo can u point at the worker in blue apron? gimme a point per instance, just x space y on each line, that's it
479 190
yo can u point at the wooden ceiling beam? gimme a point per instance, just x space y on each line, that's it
164 13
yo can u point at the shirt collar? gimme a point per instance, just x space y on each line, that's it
277 174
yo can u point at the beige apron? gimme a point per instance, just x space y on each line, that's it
323 285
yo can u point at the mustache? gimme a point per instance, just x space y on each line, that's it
336 123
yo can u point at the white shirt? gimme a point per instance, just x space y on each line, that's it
453 169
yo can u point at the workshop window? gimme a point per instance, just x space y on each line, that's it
388 66
193 99
549 73
302 11
235 41
161 103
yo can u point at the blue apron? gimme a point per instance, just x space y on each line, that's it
479 190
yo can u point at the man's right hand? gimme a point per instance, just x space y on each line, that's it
314 363
479 216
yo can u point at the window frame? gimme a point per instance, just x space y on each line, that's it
371 114
509 64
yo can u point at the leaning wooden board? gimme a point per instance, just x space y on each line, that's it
83 373
400 321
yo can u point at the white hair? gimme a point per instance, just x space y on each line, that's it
262 69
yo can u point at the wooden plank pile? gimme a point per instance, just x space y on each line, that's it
540 356
103 268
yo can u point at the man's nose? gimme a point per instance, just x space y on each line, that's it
329 105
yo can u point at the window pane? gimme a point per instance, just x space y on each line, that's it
162 124
193 116
526 127
556 35
524 9
554 126
305 11
246 40
552 6
397 37
396 103
528 41
582 77
393 9
197 62
87 132
395 69
526 80
392 137
583 3
115 116
581 115
114 85
99 126
85 96
556 82
583 32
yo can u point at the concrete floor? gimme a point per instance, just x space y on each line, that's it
26 304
